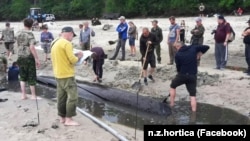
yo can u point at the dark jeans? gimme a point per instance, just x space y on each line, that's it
97 67
247 54
182 36
121 44
221 55
158 52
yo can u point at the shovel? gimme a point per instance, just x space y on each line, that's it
137 85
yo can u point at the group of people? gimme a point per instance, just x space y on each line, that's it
186 57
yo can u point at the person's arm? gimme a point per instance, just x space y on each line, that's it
131 30
202 48
160 35
81 40
199 31
32 43
51 36
228 31
70 54
154 40
246 32
142 49
92 32
41 37
178 65
121 28
177 34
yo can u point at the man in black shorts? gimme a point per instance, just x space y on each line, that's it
186 64
148 40
9 39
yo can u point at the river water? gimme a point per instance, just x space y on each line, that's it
181 114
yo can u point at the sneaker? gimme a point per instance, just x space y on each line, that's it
145 81
130 55
217 68
122 59
112 58
151 78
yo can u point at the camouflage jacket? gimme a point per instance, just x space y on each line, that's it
25 39
8 35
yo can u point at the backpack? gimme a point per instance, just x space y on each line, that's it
232 35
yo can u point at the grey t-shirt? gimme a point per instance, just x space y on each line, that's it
172 32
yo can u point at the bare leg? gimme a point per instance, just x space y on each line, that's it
172 96
193 103
131 50
22 84
145 73
70 122
151 71
33 92
62 119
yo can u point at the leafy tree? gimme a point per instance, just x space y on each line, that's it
19 9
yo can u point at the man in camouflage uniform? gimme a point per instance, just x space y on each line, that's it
157 31
8 38
27 58
197 36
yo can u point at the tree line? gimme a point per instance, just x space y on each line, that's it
83 9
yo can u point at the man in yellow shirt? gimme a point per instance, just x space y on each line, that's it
63 62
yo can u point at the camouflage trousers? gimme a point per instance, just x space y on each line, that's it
67 96
27 67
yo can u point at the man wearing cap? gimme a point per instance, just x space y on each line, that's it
8 38
197 35
246 40
197 32
85 35
222 34
173 37
157 31
122 30
63 62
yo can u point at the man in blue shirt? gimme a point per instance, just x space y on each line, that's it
85 36
122 30
13 72
186 64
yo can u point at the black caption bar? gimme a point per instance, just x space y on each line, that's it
196 132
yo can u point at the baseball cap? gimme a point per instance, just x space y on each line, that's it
198 19
122 18
155 21
68 29
221 17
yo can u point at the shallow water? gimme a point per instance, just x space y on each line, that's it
106 111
